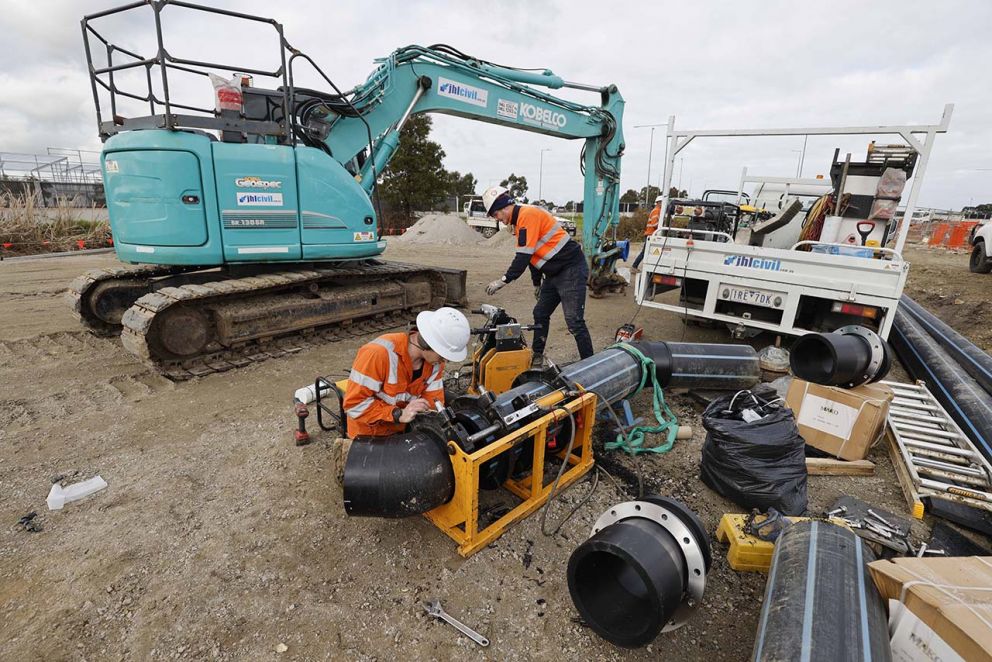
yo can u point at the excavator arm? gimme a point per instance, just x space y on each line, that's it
441 80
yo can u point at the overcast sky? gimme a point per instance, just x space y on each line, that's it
714 65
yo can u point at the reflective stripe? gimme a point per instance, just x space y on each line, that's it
542 258
364 380
360 408
554 251
435 372
547 236
394 359
393 399
436 385
526 250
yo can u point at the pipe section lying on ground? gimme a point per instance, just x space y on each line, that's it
964 399
411 473
820 602
641 572
975 362
848 357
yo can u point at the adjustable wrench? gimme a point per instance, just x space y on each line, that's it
435 610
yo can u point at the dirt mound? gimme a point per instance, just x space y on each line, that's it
500 239
439 229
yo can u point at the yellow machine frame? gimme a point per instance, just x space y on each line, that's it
459 518
497 369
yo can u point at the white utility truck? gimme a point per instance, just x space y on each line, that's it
475 215
851 272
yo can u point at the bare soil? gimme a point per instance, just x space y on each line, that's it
218 538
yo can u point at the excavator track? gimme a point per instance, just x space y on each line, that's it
192 321
201 328
102 315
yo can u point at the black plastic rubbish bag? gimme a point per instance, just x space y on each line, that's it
758 464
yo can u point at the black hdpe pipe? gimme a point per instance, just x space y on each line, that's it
964 398
820 602
975 362
410 473
642 570
848 357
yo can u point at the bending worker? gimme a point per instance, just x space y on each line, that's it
649 230
399 375
550 254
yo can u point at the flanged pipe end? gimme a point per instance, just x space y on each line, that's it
641 572
848 357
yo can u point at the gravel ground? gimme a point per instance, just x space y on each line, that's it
218 538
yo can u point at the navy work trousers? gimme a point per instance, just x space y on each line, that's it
568 288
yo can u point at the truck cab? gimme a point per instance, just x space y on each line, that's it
981 240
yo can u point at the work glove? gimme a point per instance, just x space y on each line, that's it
495 286
537 291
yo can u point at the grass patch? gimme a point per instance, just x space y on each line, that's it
26 227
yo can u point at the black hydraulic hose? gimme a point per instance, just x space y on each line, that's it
975 362
964 399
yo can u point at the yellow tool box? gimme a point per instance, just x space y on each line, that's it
748 553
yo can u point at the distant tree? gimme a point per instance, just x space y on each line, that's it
675 193
978 212
415 179
517 186
652 193
632 196
461 185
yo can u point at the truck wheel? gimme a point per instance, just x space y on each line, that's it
979 262
489 232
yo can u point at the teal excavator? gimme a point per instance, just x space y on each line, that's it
253 226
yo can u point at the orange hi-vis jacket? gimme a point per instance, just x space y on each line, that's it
653 218
538 234
381 379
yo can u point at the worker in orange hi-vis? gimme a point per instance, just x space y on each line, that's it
653 218
399 375
557 267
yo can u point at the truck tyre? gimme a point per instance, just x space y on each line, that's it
979 262
488 232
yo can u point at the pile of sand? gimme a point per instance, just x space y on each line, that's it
440 229
499 240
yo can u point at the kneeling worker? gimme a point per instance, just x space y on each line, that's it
399 375
545 248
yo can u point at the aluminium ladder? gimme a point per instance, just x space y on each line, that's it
938 459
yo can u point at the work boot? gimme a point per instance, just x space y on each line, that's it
537 362
339 457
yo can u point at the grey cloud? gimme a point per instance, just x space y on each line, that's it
713 65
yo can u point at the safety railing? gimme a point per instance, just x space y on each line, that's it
162 107
713 233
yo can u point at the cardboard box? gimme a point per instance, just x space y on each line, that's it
952 596
912 640
842 422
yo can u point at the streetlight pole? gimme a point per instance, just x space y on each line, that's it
540 176
647 188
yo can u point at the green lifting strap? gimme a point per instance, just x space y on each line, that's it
633 441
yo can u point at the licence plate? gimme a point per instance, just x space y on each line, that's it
752 296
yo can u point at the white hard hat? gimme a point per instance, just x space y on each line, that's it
659 199
447 332
491 195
